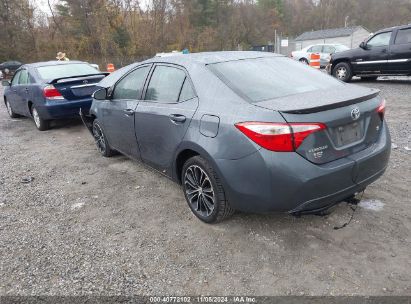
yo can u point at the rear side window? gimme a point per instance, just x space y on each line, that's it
328 49
403 36
130 87
165 84
316 49
187 91
269 78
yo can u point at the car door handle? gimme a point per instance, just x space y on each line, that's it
129 112
26 90
177 118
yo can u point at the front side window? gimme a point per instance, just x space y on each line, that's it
380 40
273 77
165 84
24 77
403 36
16 78
131 86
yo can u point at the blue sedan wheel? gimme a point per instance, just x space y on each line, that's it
41 124
10 110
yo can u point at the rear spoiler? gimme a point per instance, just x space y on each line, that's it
75 78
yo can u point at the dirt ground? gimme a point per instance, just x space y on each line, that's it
90 225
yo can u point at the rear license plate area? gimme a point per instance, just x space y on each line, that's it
84 91
348 134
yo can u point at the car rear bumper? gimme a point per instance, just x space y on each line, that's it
286 182
63 109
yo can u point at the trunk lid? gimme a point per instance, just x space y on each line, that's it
351 117
75 88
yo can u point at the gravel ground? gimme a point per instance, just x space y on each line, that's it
90 225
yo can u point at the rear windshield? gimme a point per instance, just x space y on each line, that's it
66 70
268 78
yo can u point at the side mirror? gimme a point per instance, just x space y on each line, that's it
363 45
100 94
6 83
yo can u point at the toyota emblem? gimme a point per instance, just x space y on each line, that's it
355 113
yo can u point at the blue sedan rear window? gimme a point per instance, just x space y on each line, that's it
66 70
268 78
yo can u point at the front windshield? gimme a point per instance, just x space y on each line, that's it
66 70
273 77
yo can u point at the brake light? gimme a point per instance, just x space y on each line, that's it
279 137
50 92
381 109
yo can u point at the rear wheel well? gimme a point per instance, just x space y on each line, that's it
181 159
30 105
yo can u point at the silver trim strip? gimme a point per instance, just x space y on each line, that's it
382 61
371 62
83 86
399 60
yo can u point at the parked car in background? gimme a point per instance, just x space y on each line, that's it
271 135
51 90
325 51
387 52
9 68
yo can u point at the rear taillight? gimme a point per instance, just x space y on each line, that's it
50 92
381 109
279 137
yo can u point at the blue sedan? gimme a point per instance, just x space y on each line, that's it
51 90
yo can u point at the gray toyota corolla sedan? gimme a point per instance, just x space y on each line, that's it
248 131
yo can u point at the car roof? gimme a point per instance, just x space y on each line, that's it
393 28
211 57
52 63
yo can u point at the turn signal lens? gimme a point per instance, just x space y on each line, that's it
381 109
279 137
50 92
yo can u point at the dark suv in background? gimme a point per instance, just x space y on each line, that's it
387 52
9 68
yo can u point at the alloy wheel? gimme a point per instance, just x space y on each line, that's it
341 73
199 190
9 109
36 117
99 138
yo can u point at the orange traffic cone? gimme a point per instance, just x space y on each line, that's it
110 68
315 61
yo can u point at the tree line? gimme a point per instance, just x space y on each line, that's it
123 31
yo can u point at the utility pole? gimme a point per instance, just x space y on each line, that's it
346 21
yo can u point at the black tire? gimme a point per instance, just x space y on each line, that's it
40 123
12 114
369 78
208 202
343 71
304 61
101 140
